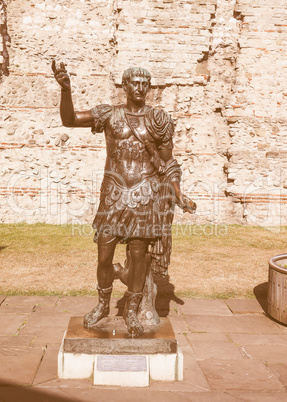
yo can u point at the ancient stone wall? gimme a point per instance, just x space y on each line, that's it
4 40
218 67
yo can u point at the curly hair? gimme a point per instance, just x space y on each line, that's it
135 72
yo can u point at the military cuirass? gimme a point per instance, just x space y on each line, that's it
127 157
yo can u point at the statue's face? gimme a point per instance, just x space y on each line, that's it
136 89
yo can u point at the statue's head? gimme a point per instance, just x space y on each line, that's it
136 83
135 72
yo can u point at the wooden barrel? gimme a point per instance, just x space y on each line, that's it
277 288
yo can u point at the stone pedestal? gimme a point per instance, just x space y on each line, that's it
112 357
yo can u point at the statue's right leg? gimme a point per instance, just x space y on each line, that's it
105 276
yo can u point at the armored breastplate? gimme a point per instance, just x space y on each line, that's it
127 155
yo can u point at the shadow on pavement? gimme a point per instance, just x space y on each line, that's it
260 292
10 392
165 295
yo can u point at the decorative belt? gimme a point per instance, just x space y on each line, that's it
122 197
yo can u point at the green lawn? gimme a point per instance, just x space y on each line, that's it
207 261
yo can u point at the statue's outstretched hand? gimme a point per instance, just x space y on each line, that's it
62 76
186 204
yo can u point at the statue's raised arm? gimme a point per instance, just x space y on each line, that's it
70 117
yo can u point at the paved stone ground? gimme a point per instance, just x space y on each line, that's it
232 352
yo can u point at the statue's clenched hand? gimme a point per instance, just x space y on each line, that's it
62 76
187 204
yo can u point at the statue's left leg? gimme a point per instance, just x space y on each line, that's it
137 271
136 280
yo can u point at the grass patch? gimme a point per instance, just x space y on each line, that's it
208 261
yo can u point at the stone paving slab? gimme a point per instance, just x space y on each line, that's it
205 307
62 384
192 373
49 335
182 386
280 371
224 352
251 323
48 369
20 364
47 319
258 396
267 353
10 323
179 324
130 395
244 306
16 309
243 374
282 327
17 340
30 300
80 306
182 340
259 339
211 396
216 350
206 336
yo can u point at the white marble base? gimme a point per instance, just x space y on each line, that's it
121 370
126 371
166 367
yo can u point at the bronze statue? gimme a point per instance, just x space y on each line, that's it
140 187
